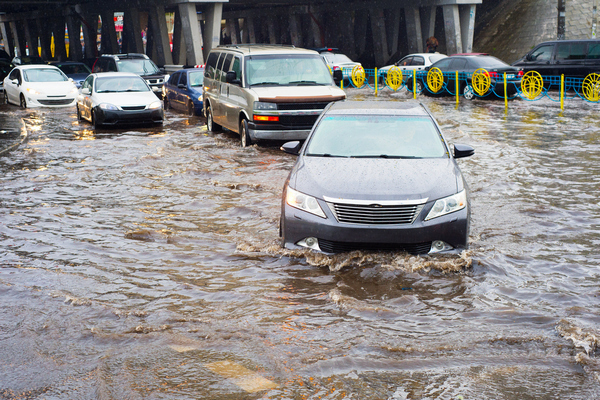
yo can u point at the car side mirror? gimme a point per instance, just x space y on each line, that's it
292 147
528 57
85 91
231 77
14 82
462 150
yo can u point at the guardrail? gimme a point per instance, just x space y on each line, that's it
530 86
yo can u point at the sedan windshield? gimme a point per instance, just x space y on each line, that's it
44 75
121 84
140 66
287 70
376 136
337 58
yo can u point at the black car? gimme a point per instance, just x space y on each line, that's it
466 65
375 175
139 64
573 58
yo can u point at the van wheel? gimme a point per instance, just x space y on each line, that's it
244 136
210 123
23 103
468 92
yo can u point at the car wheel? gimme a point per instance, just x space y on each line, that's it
190 108
94 121
468 92
23 103
166 104
78 113
210 123
244 136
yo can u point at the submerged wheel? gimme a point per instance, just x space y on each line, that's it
244 135
78 114
190 108
166 104
468 92
210 123
23 103
94 121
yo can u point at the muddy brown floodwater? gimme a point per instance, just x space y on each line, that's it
144 264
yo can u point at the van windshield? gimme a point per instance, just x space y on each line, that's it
287 70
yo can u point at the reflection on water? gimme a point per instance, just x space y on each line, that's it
145 263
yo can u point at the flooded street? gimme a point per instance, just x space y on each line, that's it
145 263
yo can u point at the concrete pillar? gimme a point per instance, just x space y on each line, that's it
33 34
109 34
89 27
28 38
392 24
160 35
60 48
452 29
296 30
132 31
233 28
18 38
361 24
250 29
45 33
179 51
74 28
272 31
212 27
380 46
7 39
413 30
467 26
427 23
191 33
316 29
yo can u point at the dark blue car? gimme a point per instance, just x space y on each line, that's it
76 70
183 91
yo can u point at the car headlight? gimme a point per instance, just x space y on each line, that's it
261 105
32 91
154 105
74 90
107 106
448 205
303 202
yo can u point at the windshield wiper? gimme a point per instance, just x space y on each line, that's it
301 83
265 83
385 156
324 155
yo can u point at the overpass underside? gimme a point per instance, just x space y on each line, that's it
374 32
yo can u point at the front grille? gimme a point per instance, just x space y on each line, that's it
133 108
57 102
329 246
301 106
375 214
298 120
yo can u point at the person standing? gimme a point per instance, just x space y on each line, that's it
432 44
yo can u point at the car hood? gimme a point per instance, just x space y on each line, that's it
299 94
51 88
376 179
126 98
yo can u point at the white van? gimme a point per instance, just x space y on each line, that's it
266 92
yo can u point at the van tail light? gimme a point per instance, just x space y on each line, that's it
265 118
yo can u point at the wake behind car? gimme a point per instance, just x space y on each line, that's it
115 98
183 90
466 65
39 86
266 92
376 175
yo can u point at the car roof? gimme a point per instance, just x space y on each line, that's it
349 107
263 49
36 66
190 69
116 74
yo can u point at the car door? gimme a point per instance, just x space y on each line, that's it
220 116
459 65
235 95
540 59
11 88
592 61
171 89
182 96
570 59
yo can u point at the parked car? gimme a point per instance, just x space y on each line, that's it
183 90
39 86
5 67
376 175
410 63
115 98
266 92
25 60
466 64
573 58
337 61
74 70
139 64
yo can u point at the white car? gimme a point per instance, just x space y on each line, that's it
416 61
338 61
115 98
39 86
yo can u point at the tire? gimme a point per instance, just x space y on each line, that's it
78 114
468 92
23 102
210 123
245 139
190 108
409 85
166 104
95 124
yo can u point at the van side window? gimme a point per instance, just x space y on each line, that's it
225 67
570 51
211 65
542 53
594 51
237 67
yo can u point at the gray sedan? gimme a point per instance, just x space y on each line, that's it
377 176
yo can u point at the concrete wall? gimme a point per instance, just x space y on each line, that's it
578 19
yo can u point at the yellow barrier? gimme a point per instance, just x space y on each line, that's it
435 79
394 78
481 82
358 76
591 87
532 84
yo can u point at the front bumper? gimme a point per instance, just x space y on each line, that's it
335 237
43 101
113 117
